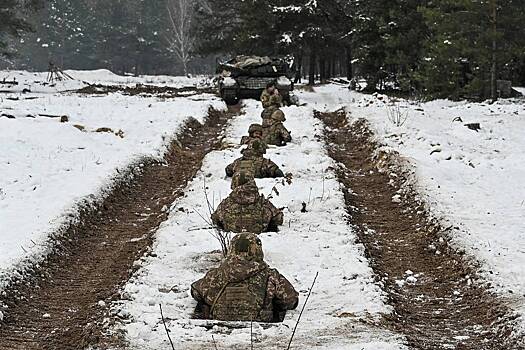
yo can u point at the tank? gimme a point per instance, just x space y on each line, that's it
247 76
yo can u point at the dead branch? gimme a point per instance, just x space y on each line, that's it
302 310
166 327
214 342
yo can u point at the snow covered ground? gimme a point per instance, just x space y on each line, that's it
47 167
345 304
473 180
37 81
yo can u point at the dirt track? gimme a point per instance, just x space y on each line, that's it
438 301
62 305
145 90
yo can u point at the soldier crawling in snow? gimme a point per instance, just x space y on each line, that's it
255 133
274 132
254 140
245 209
244 287
253 162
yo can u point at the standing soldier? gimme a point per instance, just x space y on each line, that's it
244 287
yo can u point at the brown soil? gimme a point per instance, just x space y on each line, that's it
61 304
144 90
449 307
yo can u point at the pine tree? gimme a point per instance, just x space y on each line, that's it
14 22
471 41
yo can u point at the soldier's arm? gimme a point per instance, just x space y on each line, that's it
286 297
197 291
271 169
216 217
230 170
285 134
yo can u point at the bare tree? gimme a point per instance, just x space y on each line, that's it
180 37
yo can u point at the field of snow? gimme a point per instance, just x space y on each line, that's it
47 167
345 304
37 81
473 180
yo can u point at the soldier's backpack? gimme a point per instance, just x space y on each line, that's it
243 301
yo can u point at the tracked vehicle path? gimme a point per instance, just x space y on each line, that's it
63 304
438 304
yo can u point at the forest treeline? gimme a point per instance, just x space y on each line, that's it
435 48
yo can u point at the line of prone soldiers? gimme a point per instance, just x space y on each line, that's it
244 287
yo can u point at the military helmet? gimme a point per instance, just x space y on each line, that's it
242 177
255 128
247 246
267 112
278 115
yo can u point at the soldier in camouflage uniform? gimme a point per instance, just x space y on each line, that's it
244 287
254 140
246 210
271 97
271 100
274 132
254 134
254 163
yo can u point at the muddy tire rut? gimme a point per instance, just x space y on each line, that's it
439 302
63 303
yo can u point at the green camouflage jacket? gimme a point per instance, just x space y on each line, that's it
274 133
245 210
258 167
271 100
244 290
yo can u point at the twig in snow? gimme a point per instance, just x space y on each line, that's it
166 327
322 194
207 221
219 234
251 334
214 342
302 310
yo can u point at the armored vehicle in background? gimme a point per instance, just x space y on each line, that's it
247 76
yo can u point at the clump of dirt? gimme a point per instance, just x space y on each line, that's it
438 299
62 303
145 90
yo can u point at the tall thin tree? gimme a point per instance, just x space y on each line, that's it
180 38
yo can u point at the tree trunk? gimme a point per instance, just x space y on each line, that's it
312 63
493 71
299 68
322 69
349 66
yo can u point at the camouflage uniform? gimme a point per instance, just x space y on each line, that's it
271 100
255 164
245 210
254 140
274 132
243 287
267 112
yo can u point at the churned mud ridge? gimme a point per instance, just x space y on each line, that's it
145 90
63 303
438 300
